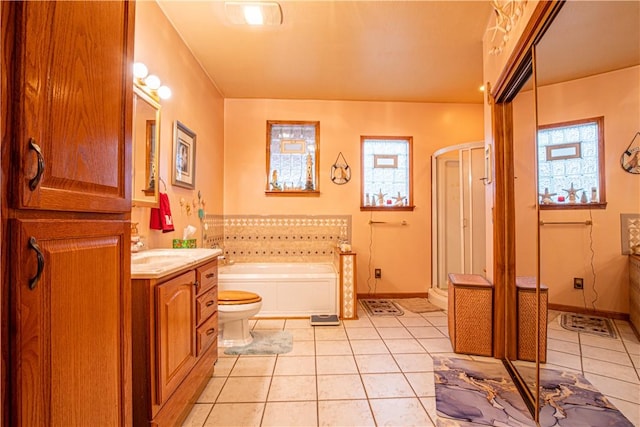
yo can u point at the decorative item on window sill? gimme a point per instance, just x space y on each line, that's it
630 160
340 171
150 83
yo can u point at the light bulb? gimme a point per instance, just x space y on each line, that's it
164 92
152 81
140 70
253 15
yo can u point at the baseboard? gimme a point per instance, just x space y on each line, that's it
394 295
582 310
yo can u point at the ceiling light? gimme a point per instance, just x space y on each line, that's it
253 15
253 12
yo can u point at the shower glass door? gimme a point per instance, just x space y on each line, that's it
458 214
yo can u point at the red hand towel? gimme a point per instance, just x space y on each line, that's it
160 218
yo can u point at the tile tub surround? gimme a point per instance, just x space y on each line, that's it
279 238
379 371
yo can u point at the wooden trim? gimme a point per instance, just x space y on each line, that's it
571 206
519 62
518 70
385 209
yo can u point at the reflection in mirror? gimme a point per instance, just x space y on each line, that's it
146 145
526 245
586 66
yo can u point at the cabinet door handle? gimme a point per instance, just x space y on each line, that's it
196 283
210 275
211 331
34 245
33 182
210 303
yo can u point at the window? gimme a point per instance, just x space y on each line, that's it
386 173
292 158
571 165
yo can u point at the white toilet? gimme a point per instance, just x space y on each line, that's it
234 310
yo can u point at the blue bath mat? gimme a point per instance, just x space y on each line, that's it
265 342
475 393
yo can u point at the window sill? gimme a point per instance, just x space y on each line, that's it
286 193
386 209
573 206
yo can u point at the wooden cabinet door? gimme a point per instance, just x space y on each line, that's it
175 332
71 349
72 98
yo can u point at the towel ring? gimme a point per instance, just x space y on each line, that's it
164 184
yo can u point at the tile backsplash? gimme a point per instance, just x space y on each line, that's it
277 238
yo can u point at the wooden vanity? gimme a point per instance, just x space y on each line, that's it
174 341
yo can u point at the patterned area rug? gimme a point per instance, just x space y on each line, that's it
589 324
472 393
265 342
381 307
416 305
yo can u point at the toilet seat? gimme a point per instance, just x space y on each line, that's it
237 297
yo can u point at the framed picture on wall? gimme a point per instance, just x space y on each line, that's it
184 157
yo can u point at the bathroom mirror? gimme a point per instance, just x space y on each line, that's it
573 45
146 146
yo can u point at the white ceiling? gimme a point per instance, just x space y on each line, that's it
421 51
416 51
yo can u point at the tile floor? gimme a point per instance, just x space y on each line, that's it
378 371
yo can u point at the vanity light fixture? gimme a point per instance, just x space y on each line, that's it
150 83
254 13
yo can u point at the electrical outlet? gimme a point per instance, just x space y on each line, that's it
578 283
378 273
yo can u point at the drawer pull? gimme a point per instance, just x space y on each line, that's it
211 331
210 275
210 303
33 182
33 243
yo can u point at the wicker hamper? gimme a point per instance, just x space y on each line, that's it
526 291
470 314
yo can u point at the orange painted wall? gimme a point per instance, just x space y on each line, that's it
402 252
197 104
566 250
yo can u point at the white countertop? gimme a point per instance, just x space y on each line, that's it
157 263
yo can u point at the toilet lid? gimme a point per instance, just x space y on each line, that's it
237 297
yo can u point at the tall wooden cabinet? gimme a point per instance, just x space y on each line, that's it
65 193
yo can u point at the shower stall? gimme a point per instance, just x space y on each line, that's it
457 214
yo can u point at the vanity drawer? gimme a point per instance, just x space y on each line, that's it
206 334
206 304
207 276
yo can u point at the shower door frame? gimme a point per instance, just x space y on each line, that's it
436 292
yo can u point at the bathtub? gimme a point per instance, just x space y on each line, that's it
287 289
